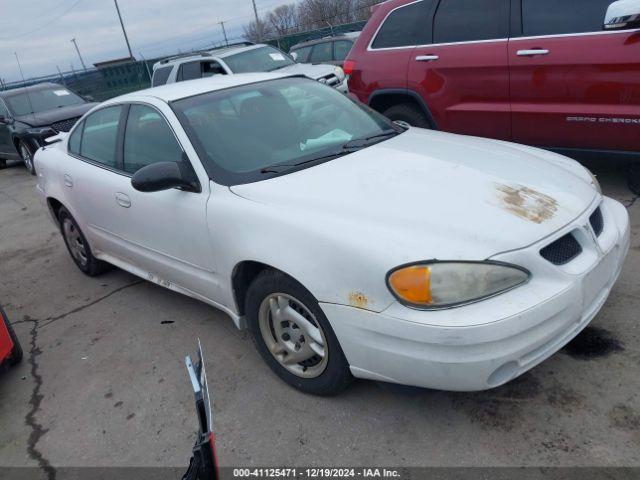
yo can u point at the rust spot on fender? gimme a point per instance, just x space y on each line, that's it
527 203
358 300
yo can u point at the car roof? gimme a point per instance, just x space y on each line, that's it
212 54
342 36
190 88
31 88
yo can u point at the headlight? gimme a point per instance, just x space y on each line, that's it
41 131
434 285
594 181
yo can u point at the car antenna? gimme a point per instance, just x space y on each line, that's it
24 82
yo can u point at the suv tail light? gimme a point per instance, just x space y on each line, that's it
349 66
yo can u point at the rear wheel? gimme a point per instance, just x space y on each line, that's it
26 153
407 115
16 353
294 336
633 178
78 246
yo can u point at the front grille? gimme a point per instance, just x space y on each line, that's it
563 250
65 125
331 80
597 222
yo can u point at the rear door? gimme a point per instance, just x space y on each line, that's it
462 74
574 85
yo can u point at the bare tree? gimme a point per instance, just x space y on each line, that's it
258 31
284 19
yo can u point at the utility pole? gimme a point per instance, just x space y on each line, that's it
258 24
126 39
61 76
226 42
75 44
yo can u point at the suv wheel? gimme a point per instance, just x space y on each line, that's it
78 246
293 335
27 156
633 178
406 114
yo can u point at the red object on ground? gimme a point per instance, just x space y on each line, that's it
6 342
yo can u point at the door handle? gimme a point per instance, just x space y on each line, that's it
68 181
533 52
123 200
427 58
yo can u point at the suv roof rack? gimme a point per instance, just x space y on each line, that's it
185 55
237 44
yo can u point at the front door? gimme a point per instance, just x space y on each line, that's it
574 85
463 75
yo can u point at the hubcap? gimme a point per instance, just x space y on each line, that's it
26 156
293 335
74 240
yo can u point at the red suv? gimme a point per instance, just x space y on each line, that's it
559 74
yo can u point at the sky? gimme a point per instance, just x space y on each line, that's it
40 31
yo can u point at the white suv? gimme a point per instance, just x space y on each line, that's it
244 57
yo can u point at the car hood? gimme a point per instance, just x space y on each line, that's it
42 119
445 196
309 70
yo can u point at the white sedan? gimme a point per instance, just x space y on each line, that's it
348 245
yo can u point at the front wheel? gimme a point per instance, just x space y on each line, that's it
26 154
294 336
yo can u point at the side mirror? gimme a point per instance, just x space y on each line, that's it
5 120
623 15
165 176
294 55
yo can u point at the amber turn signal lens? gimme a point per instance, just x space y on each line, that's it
413 284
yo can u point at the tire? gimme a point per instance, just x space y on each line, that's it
324 375
633 178
26 154
16 353
408 114
78 246
3 163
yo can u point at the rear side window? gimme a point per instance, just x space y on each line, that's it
148 139
302 54
189 71
405 26
471 20
74 139
322 52
341 49
100 136
554 17
160 76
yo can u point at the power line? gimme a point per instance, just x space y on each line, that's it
42 26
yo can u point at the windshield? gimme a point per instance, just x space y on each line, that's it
263 59
250 132
41 100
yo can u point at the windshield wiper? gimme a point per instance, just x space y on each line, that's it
359 143
279 168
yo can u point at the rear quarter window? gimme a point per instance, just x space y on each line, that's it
471 20
160 76
405 26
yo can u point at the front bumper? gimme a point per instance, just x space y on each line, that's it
487 344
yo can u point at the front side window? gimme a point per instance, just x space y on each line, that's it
405 26
41 100
160 76
190 71
555 17
262 59
322 53
148 139
341 49
471 20
247 133
100 136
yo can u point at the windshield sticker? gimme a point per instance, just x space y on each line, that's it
61 93
278 57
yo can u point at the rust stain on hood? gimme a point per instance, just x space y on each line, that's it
526 203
